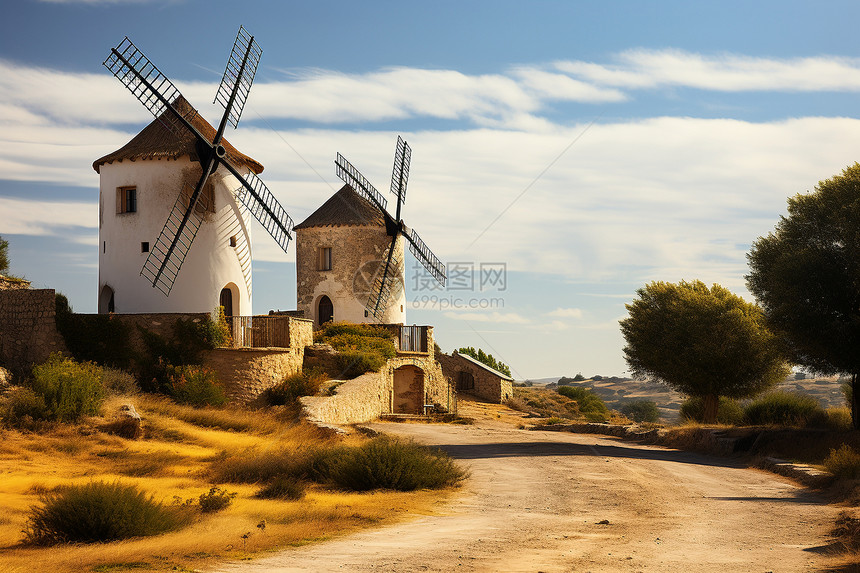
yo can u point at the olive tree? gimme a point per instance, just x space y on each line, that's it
806 276
4 256
702 341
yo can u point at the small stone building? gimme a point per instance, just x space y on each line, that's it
469 376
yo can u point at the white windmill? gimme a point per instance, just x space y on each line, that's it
179 196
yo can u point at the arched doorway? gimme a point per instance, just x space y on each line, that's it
408 390
465 381
106 300
226 301
325 310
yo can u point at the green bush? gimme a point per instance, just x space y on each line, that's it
785 409
70 389
729 412
361 347
99 511
305 383
388 463
195 385
843 463
590 404
216 499
283 487
21 408
641 411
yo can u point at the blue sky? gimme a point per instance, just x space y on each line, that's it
584 148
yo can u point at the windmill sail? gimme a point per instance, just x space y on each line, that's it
400 173
170 249
386 285
146 82
430 261
238 75
158 94
350 175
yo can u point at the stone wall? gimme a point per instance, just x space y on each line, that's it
371 395
28 330
488 386
246 372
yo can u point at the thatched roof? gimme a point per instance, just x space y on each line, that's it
155 141
344 208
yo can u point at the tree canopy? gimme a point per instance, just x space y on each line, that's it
704 342
4 256
806 276
486 358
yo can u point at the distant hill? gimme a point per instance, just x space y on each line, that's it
616 391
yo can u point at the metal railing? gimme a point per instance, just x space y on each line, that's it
259 331
413 339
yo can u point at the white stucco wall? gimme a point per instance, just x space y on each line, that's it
211 265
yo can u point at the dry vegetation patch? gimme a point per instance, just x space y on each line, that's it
174 463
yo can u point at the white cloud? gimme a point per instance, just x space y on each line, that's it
23 217
643 69
566 313
498 317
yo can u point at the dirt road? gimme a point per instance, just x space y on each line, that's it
546 501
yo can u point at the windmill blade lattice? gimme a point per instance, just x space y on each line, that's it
262 204
400 173
430 261
357 181
239 75
386 285
146 82
168 253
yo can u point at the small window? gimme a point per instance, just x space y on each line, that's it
126 200
104 246
144 247
324 259
233 241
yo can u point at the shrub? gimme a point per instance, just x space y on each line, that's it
21 407
99 511
843 463
254 466
195 385
839 419
641 411
70 389
283 487
305 383
216 499
590 404
785 409
729 411
361 347
388 463
116 381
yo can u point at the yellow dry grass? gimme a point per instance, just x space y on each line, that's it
171 462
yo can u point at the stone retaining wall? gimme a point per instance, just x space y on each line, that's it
246 372
28 330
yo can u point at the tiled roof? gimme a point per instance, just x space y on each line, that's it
468 358
344 208
155 141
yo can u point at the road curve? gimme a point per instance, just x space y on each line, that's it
553 502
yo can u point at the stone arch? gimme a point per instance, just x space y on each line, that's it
465 381
408 394
107 300
325 310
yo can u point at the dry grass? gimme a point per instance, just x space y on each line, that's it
173 461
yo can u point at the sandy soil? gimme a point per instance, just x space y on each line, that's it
546 501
